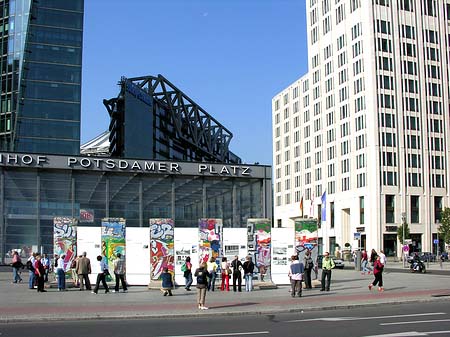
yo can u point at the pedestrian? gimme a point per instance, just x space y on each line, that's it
167 282
237 275
378 273
365 263
186 268
30 266
327 266
83 268
119 273
262 271
39 271
101 275
212 269
16 266
225 273
61 273
248 268
202 281
373 256
316 268
382 258
296 270
73 269
46 263
309 266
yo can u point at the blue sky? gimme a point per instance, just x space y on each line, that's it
231 57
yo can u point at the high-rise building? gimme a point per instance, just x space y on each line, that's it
364 134
40 84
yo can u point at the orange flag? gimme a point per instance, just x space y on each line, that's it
301 206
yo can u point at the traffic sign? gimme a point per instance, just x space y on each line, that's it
436 241
406 248
356 236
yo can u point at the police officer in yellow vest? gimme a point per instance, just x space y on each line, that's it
327 265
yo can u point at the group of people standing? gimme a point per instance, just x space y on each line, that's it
39 268
206 276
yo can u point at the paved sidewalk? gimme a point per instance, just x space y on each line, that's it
349 289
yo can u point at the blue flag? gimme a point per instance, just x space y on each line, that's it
324 206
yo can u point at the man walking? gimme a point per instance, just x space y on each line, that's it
119 273
327 265
83 268
237 276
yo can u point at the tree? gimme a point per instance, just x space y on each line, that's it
400 232
444 228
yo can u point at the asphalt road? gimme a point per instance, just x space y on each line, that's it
421 319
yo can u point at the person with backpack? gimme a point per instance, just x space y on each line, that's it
296 270
186 268
309 266
16 266
378 273
202 282
30 266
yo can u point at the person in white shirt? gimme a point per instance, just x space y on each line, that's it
101 276
382 258
61 273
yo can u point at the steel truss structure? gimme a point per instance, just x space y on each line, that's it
192 123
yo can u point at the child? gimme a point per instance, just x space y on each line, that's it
167 283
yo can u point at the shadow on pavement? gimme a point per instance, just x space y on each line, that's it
234 305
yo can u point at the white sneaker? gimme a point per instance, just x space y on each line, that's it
204 308
115 291
125 291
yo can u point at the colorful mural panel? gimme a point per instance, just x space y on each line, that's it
210 239
161 246
113 240
306 238
65 239
262 240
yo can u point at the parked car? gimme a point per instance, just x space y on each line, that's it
338 262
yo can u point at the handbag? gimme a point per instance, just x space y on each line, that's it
228 271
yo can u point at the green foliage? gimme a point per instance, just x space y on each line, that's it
444 228
400 232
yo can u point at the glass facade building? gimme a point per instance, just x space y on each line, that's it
36 188
40 70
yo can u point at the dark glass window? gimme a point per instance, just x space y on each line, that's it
59 36
332 214
58 18
74 5
54 72
54 54
51 110
414 209
390 208
52 91
437 208
361 210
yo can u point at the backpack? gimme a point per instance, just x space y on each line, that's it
201 279
184 267
30 265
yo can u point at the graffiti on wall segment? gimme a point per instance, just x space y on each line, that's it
161 246
65 239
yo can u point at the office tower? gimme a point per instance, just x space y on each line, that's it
41 76
366 127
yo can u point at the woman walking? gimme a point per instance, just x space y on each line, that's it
202 282
16 266
61 273
378 273
225 267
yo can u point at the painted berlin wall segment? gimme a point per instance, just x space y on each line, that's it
113 240
306 238
161 246
65 239
209 239
259 241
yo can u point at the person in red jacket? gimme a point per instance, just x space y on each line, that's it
378 273
39 271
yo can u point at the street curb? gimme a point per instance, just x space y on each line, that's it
196 314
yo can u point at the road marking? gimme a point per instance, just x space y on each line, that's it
412 334
417 322
337 319
225 334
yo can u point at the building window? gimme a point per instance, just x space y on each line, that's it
332 214
389 209
361 210
437 208
414 216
